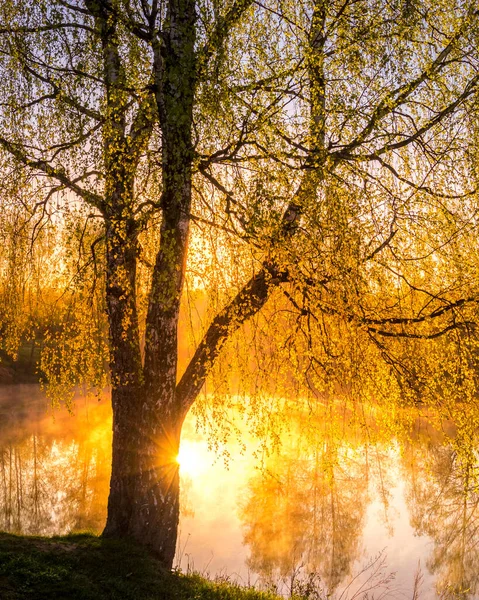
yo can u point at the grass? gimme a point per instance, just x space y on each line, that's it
86 567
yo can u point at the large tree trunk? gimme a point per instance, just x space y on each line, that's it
144 495
144 490
156 500
126 369
147 417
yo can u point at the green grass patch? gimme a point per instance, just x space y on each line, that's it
86 567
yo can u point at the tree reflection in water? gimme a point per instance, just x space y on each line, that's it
53 470
443 500
305 512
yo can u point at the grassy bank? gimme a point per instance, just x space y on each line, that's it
88 568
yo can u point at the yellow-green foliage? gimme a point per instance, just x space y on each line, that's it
334 147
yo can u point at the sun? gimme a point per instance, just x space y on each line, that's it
191 458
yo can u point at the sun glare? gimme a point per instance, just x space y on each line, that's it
190 459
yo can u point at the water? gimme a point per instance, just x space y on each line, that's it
328 503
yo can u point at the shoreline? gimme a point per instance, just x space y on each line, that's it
87 567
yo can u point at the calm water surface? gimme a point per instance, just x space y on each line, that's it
323 505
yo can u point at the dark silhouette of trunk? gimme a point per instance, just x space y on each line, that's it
147 416
144 491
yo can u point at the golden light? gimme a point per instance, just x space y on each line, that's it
191 458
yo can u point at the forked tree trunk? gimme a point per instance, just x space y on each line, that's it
147 416
144 495
143 504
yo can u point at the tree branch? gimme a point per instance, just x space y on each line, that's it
141 127
396 97
434 314
425 336
219 34
42 28
84 11
60 94
17 151
468 91
249 300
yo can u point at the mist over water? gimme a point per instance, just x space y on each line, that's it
328 503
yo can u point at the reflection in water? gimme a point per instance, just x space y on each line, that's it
53 469
307 511
443 500
329 500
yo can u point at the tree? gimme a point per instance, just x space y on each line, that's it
321 135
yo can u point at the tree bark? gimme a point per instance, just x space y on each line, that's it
144 496
125 370
144 490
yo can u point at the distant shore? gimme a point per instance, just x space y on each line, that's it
22 369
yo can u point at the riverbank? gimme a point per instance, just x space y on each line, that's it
86 567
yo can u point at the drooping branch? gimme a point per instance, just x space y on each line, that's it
398 96
423 318
18 152
44 28
141 128
421 336
127 18
221 30
372 323
255 293
420 187
60 94
383 244
70 6
468 91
